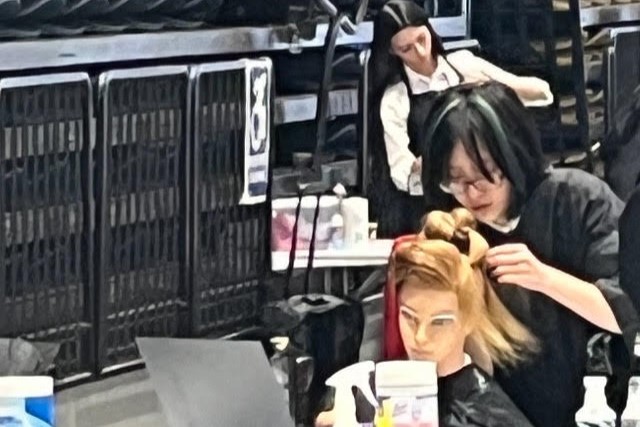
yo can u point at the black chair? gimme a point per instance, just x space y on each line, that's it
9 9
41 10
125 8
78 9
198 9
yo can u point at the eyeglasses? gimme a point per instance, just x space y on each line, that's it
481 185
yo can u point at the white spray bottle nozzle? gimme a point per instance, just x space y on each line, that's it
356 375
339 190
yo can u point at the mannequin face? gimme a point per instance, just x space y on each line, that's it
487 201
431 324
413 46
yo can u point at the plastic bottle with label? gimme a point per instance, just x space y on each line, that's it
407 393
594 411
337 232
631 415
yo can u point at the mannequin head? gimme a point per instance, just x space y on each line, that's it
438 296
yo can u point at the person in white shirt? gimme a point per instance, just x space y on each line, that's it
410 68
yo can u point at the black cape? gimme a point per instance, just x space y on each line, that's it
571 223
630 248
469 397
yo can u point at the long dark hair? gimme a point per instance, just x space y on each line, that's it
386 69
394 16
489 115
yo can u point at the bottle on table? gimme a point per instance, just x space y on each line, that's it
594 411
631 415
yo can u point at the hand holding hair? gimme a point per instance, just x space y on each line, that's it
515 264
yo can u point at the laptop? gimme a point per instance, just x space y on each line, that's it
214 383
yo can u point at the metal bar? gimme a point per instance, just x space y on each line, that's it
85 174
18 55
621 13
461 44
364 122
609 87
62 52
577 68
613 32
300 108
193 203
49 79
4 158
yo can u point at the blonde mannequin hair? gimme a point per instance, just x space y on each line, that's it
449 255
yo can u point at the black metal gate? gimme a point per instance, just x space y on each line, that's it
126 223
142 177
46 202
230 240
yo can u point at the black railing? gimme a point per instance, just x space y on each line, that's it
127 222
230 240
130 215
143 148
46 205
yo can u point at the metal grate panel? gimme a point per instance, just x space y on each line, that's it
46 287
230 240
142 219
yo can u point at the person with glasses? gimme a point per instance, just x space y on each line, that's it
553 235
409 67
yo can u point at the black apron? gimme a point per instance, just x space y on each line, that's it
399 212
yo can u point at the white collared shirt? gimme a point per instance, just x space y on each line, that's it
395 105
506 228
443 78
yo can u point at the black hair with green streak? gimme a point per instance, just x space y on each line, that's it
489 116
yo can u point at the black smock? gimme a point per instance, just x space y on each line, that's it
468 397
399 212
570 222
630 248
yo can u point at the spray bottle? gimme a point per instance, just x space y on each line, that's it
356 375
337 220
595 411
631 414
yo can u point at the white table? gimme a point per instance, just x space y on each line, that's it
373 253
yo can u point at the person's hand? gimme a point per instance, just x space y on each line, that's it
515 264
416 167
326 419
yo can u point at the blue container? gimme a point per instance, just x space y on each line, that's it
27 402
